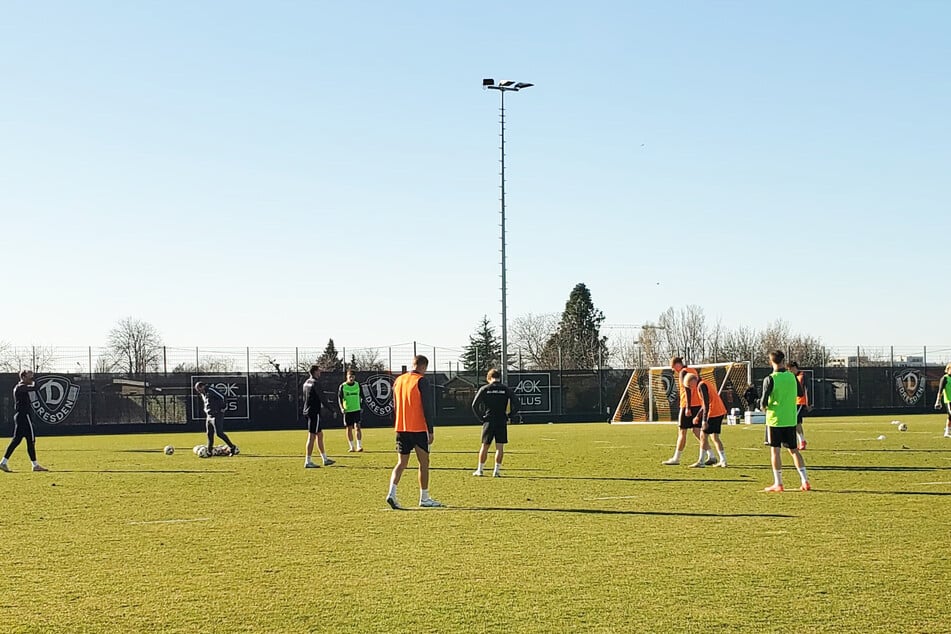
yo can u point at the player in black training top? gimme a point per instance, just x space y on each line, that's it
493 404
313 402
22 425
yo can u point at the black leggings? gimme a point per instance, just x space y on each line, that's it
214 425
22 430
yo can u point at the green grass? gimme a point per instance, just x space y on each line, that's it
586 532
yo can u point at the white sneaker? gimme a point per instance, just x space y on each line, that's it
722 463
391 500
947 433
477 473
430 503
329 462
311 465
672 461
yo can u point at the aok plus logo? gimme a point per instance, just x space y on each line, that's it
533 390
910 385
378 394
54 398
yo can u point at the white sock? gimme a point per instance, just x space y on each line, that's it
703 456
3 461
498 468
307 460
676 454
802 475
479 468
35 463
423 494
323 456
722 454
359 444
778 477
350 442
392 493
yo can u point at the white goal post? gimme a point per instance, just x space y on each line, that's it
652 395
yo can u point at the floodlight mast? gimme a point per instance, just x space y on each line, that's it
503 86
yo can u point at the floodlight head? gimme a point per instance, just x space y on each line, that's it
522 84
505 83
488 82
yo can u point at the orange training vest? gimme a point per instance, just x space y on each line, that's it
693 402
802 400
717 408
408 403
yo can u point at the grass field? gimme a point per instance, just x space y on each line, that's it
586 532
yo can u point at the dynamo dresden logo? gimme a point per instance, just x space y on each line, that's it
910 386
54 398
378 394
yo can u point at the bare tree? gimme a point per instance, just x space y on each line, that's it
530 333
135 346
684 332
208 365
36 358
367 359
742 344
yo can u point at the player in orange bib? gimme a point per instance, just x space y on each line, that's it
710 416
689 405
413 413
802 403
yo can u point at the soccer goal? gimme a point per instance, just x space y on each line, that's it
652 395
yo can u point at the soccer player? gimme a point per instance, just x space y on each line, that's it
22 425
348 397
712 411
780 390
685 415
493 404
315 431
214 402
414 416
944 392
802 403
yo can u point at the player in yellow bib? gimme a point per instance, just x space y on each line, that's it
944 393
780 391
348 397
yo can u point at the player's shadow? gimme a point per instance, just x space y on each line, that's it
617 512
902 450
151 471
629 479
875 468
927 493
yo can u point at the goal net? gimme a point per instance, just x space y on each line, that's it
652 395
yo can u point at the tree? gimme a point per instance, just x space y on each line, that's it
367 360
684 333
135 346
329 360
578 336
36 358
484 350
530 334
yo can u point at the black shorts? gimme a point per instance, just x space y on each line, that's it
314 423
781 437
800 411
351 418
406 441
686 422
497 430
714 425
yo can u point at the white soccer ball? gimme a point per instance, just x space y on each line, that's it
202 452
169 450
902 427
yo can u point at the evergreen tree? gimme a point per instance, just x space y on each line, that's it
329 360
579 333
484 350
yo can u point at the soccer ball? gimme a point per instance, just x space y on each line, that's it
202 451
902 427
169 450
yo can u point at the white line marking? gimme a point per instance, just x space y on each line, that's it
618 497
197 519
930 483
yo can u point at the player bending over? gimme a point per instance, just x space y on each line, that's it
686 414
214 403
780 390
712 411
493 404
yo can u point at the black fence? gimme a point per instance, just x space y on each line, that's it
102 403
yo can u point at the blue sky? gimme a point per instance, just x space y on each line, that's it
277 173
